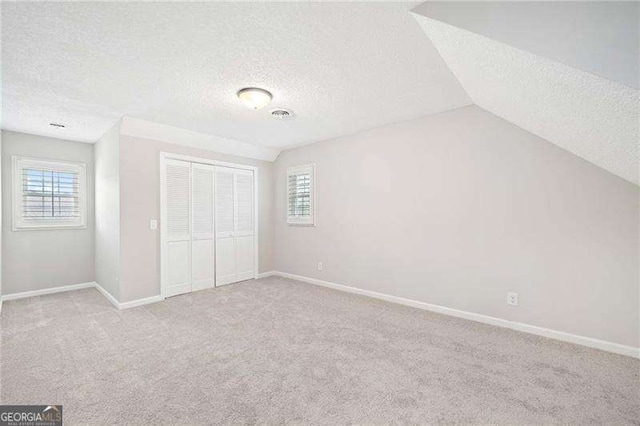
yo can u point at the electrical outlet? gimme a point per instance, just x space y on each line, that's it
153 224
512 299
320 266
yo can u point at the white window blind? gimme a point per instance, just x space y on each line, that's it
301 195
48 194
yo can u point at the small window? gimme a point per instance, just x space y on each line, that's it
48 194
301 195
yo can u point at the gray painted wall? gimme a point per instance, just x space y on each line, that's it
0 221
40 259
140 202
107 230
459 208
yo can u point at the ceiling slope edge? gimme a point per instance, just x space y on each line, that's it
598 37
589 116
161 132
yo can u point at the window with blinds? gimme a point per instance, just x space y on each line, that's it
301 195
48 194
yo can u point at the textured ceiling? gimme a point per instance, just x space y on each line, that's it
341 67
592 117
600 37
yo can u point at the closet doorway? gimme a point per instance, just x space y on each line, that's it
208 223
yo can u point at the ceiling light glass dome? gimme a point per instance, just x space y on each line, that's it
254 97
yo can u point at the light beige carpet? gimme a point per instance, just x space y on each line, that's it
276 351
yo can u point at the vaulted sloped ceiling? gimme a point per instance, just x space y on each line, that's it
591 116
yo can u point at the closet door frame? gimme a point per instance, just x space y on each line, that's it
164 156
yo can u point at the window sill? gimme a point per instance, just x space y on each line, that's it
16 228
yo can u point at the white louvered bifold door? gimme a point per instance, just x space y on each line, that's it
177 250
202 237
244 225
225 226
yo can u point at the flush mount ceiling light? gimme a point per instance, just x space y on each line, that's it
254 97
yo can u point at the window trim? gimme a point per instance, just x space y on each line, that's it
311 221
18 164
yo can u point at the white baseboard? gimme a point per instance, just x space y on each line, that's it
140 302
22 295
532 329
127 305
105 293
266 274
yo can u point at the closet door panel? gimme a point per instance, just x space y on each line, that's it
179 279
244 222
244 258
202 264
177 227
202 244
225 227
224 203
225 261
244 225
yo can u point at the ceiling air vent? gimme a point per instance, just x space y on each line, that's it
282 114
